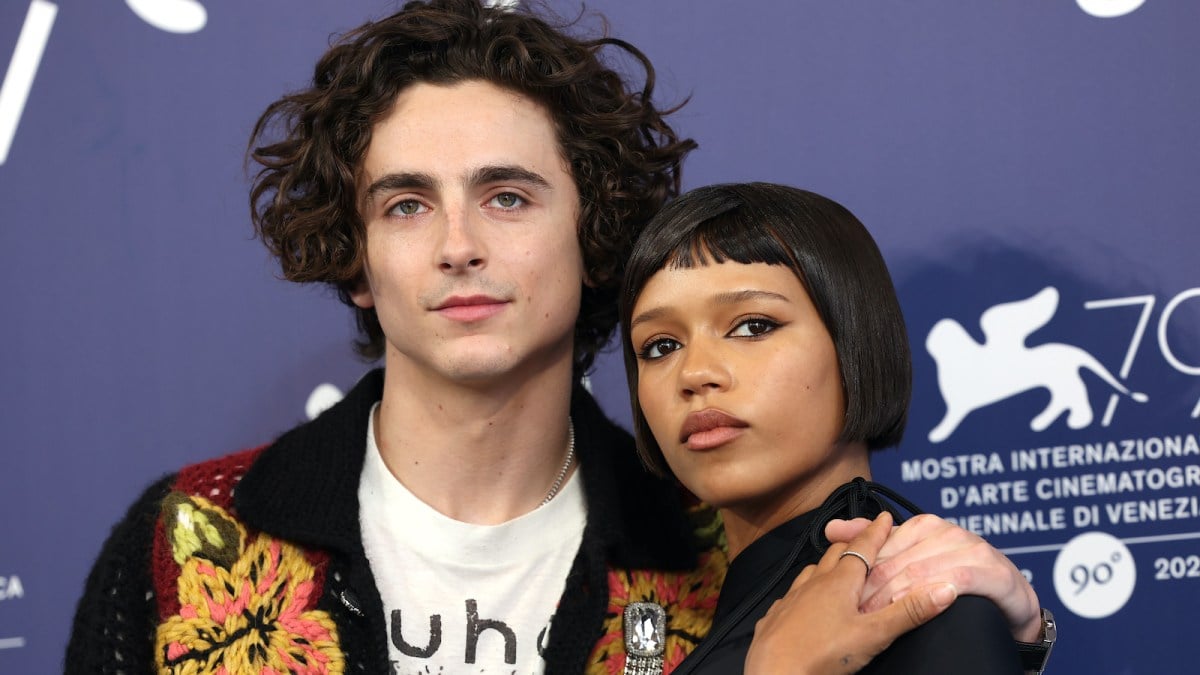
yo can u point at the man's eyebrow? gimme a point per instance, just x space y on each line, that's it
399 181
416 180
726 298
507 174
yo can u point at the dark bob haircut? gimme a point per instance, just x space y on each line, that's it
835 259
623 156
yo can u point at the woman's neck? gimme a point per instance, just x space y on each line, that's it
747 521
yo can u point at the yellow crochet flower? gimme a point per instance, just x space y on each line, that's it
247 607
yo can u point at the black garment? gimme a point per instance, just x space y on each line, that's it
304 489
969 637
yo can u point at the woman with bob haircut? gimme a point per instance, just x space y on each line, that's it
767 356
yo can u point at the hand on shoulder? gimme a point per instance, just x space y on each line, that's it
817 627
928 550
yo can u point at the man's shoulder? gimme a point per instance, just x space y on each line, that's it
215 478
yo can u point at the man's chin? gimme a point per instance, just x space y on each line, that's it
481 361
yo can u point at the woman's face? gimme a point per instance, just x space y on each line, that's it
738 380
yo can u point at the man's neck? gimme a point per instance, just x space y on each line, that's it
477 452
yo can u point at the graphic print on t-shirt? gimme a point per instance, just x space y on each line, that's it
487 640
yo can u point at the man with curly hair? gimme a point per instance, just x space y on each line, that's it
470 180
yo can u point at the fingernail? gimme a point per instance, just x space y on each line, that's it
943 594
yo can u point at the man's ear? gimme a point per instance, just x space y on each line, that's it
361 293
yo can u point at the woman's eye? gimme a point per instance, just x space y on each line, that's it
507 200
753 328
656 349
408 207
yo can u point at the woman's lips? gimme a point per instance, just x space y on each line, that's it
710 428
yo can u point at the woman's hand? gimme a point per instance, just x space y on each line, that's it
928 550
817 626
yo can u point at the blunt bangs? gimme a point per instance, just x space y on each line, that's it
836 261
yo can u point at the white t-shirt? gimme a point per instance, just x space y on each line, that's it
464 598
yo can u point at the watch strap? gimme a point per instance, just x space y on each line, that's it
1034 655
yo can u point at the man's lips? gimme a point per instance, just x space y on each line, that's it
470 307
709 428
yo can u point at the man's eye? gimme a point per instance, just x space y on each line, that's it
408 207
656 349
507 200
753 328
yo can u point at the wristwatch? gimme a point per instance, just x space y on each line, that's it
1034 655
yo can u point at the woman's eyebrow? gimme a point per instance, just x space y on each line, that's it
734 297
648 315
725 298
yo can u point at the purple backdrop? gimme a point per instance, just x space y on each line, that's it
996 150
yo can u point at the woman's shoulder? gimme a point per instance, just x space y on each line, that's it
970 636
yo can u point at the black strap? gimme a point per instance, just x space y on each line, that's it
1034 655
852 501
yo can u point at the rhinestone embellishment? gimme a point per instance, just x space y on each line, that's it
645 638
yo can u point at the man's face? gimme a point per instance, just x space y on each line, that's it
472 264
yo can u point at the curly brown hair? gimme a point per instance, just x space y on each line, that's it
624 157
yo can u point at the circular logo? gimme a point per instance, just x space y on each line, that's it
1094 575
172 16
1107 9
321 399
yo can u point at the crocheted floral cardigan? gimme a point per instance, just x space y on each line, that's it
253 563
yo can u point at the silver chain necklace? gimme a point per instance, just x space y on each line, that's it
562 473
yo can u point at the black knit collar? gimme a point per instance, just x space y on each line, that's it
304 487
